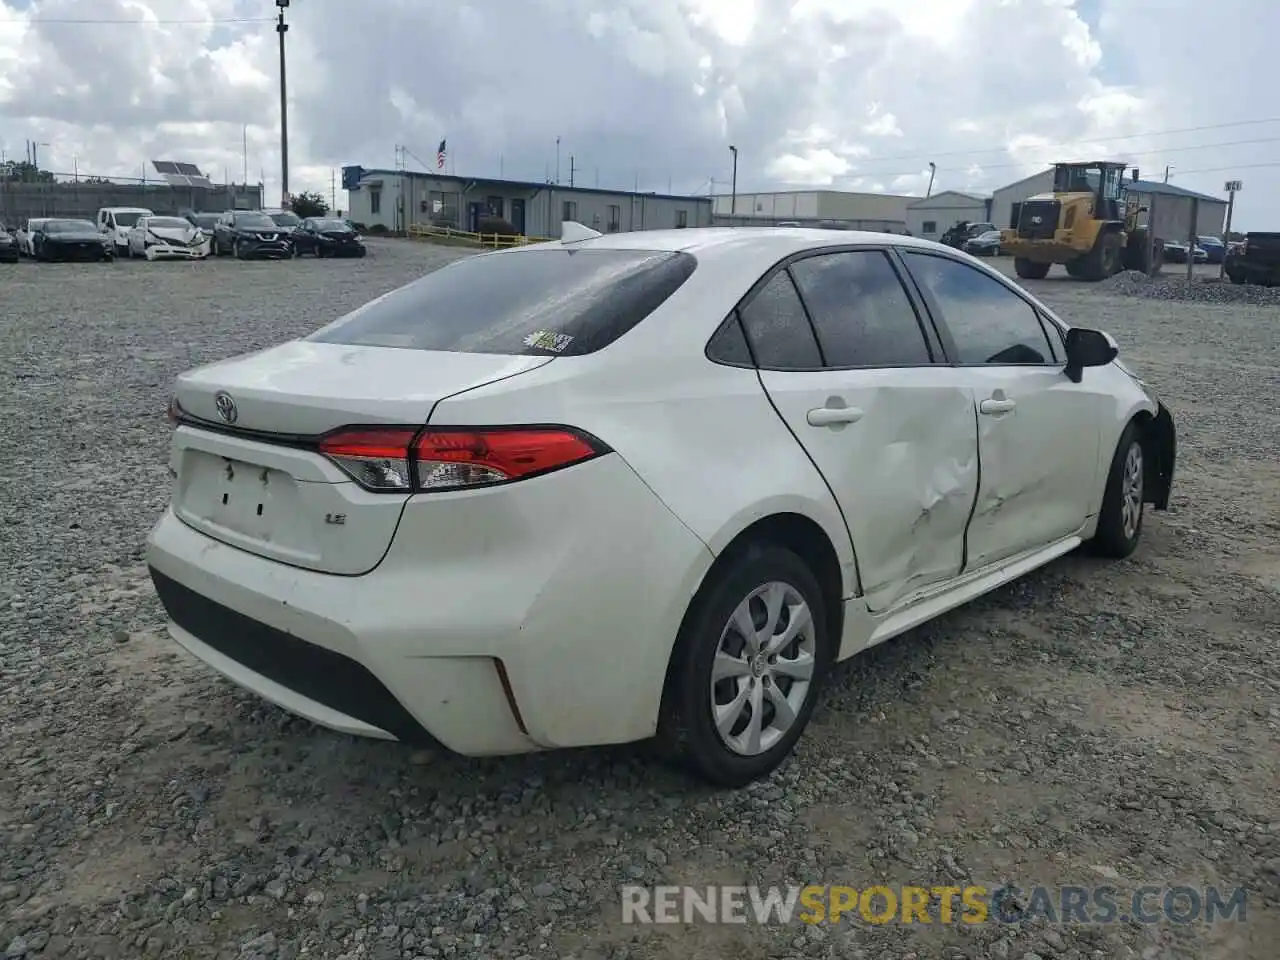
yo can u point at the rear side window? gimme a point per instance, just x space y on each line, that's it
548 302
860 310
778 328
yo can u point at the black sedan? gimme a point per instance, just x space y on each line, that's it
247 234
8 247
70 240
327 237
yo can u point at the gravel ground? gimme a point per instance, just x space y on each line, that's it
1092 724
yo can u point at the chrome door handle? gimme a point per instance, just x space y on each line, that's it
996 407
830 416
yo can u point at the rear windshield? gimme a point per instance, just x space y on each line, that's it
543 302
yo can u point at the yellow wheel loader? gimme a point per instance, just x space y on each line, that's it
1089 223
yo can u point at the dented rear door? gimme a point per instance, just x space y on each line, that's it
897 445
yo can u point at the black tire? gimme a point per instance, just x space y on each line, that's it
1029 270
687 734
1104 258
1118 533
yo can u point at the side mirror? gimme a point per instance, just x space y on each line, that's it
1088 348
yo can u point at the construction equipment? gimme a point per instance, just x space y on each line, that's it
1089 223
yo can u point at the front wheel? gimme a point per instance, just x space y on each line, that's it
1029 270
1123 501
746 669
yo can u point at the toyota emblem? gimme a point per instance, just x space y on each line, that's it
225 406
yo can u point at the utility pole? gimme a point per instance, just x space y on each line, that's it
281 29
244 151
1192 241
557 161
1166 172
933 170
733 190
1232 187
333 189
572 170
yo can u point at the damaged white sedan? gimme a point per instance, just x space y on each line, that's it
168 238
646 485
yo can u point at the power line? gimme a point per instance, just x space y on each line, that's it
1073 143
134 23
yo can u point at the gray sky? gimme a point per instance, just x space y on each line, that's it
853 94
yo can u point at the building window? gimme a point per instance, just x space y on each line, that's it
615 219
442 208
569 210
682 218
495 206
375 200
929 226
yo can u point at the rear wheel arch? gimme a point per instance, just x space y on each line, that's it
801 535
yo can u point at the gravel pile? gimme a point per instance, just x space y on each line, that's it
1174 286
1093 724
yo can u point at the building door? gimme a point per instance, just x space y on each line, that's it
474 212
517 214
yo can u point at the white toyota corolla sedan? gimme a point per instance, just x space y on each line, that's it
647 484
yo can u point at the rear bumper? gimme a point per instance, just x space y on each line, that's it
575 583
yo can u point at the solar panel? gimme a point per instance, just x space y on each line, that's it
190 169
165 166
201 181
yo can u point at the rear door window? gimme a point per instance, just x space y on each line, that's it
550 302
861 313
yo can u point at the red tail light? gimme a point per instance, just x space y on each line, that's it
408 459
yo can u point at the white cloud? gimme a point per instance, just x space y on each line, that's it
854 94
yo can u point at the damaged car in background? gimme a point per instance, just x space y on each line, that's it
642 486
168 238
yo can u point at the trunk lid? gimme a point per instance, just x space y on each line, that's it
275 496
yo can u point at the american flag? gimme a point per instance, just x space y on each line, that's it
440 155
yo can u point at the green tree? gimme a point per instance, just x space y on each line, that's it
309 205
25 172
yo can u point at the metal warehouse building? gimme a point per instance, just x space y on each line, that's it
880 212
931 217
398 199
1173 205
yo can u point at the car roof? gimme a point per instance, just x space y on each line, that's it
734 241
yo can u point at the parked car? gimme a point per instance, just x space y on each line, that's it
327 237
520 444
1176 251
286 220
1255 260
168 238
1215 250
8 247
250 233
963 231
25 233
59 239
984 245
205 221
116 222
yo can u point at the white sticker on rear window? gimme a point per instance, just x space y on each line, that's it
548 340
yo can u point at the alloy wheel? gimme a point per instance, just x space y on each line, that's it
1131 491
763 670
